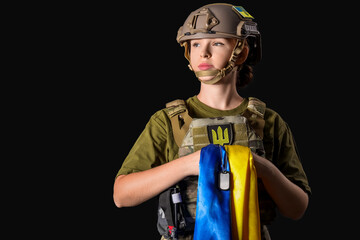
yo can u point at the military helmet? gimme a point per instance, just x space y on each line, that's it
221 20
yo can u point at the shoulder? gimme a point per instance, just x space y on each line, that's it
273 118
275 127
175 107
160 118
256 106
172 108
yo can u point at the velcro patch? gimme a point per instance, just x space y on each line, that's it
220 134
240 10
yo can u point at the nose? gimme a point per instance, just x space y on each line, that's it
205 53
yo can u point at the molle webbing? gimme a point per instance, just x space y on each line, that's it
228 130
201 139
180 119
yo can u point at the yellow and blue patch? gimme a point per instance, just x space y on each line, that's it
240 10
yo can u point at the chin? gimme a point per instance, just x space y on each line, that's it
207 78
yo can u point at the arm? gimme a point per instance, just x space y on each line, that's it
290 199
135 188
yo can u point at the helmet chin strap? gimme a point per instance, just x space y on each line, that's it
219 74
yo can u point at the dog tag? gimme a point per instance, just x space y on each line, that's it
224 180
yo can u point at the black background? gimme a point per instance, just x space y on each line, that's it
125 64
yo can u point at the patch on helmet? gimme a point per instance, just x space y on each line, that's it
240 10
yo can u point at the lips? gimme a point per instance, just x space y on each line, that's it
205 66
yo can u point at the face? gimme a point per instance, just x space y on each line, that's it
210 54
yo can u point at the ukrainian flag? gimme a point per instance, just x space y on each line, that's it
227 214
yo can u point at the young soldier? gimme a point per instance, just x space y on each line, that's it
221 43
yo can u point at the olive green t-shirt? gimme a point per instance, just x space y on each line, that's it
156 145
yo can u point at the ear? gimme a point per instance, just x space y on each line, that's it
243 55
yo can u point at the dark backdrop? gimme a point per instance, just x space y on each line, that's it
128 65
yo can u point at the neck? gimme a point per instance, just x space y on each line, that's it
222 95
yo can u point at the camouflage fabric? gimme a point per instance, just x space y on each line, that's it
198 137
255 114
244 130
156 146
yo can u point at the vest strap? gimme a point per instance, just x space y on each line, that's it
255 112
180 119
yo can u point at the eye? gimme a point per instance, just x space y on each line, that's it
218 44
195 44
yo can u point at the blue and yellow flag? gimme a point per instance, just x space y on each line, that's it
227 214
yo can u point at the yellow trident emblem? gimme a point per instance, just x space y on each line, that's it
220 138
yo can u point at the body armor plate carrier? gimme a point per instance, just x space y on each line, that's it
177 205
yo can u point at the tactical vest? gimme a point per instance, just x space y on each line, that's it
192 134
